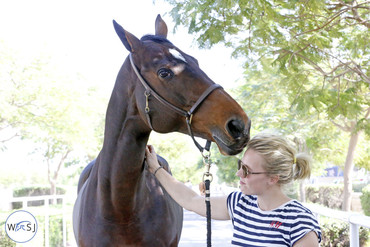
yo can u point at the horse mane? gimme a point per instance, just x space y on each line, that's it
156 38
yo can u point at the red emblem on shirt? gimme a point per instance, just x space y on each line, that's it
275 224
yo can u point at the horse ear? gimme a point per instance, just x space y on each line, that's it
160 27
129 40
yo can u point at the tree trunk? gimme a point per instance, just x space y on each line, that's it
53 191
348 169
302 192
54 178
301 148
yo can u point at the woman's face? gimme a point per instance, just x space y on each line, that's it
253 184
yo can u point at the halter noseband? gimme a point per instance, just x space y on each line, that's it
187 114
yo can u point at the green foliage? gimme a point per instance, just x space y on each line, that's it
55 230
179 151
48 104
335 233
226 167
5 241
365 200
292 190
330 196
54 108
307 67
35 191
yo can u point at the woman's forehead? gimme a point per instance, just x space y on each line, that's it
253 159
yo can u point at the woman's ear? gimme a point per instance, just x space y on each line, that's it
273 179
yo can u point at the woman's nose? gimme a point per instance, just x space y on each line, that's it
239 173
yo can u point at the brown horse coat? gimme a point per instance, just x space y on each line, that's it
119 202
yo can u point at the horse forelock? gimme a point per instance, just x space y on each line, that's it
156 38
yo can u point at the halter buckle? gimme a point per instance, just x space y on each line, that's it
189 118
147 94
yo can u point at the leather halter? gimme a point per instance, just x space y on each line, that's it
187 114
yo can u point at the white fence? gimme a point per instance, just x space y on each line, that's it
46 200
355 220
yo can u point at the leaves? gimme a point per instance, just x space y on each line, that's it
306 64
61 114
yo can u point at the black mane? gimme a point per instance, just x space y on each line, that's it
155 38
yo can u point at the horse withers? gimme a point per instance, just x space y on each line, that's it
161 88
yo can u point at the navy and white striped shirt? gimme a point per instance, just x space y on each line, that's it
283 226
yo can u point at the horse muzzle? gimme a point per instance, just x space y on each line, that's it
236 137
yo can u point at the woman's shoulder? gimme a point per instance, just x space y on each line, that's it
296 212
238 195
296 207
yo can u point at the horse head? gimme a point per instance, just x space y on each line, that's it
176 78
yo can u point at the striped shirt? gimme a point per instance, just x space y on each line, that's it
283 226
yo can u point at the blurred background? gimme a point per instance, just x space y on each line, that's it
300 69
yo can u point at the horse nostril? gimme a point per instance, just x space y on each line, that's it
235 128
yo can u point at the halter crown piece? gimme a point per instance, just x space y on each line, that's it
187 114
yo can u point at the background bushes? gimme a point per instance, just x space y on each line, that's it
335 233
365 200
330 196
5 241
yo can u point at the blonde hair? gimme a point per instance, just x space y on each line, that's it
281 158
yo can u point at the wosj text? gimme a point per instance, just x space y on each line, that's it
21 226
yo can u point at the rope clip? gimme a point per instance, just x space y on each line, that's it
147 94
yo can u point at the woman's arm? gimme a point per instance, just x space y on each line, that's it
183 195
309 240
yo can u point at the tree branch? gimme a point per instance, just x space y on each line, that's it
356 69
296 52
327 23
348 8
344 128
61 162
317 67
357 17
9 138
367 113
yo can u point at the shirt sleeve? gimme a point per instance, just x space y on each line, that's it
232 201
304 223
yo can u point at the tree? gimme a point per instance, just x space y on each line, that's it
181 154
320 48
55 109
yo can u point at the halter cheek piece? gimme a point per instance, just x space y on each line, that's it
187 114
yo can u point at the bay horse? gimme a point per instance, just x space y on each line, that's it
119 202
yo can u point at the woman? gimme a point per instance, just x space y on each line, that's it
262 215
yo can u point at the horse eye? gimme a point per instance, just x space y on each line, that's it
165 73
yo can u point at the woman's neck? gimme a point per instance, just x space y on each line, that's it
272 198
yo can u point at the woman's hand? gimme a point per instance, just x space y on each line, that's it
151 158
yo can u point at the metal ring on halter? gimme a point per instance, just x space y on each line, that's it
189 118
209 175
206 154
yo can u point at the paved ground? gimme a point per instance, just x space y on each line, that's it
194 231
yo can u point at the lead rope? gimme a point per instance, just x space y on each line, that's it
207 179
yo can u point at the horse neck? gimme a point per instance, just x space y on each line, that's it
126 135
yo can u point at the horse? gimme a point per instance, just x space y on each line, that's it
160 88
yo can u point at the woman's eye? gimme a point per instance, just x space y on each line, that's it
165 73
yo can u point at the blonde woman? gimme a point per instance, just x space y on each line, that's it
261 214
